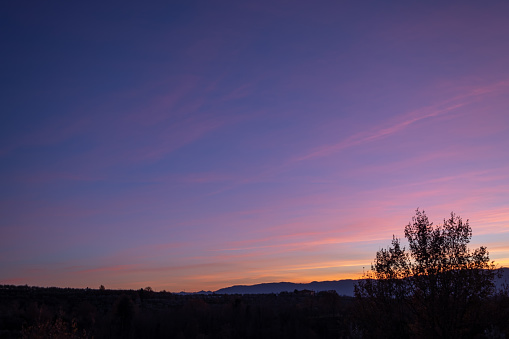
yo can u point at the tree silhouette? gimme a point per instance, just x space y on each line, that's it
435 288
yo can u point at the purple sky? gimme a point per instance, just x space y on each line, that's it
192 145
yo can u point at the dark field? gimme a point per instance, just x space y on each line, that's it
33 312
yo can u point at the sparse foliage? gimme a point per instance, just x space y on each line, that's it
53 329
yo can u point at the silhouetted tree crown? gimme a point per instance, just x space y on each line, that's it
438 280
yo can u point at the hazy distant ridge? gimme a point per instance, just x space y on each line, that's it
342 287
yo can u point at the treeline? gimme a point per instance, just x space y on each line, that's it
31 312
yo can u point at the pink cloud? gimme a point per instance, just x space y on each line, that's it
239 92
170 104
14 281
179 135
491 221
49 134
47 177
404 121
116 268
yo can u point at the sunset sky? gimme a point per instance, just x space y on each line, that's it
194 145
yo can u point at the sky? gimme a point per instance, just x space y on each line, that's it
195 145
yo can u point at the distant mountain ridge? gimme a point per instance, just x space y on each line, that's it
342 287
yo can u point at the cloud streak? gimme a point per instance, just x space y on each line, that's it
404 121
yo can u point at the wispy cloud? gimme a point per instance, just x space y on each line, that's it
402 122
51 133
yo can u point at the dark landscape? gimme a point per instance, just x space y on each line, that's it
259 311
34 312
438 288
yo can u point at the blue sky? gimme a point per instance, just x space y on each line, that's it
191 145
